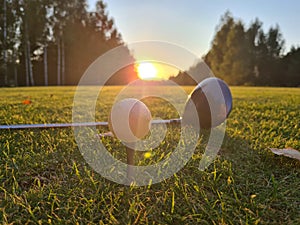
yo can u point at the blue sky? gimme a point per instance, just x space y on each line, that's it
192 23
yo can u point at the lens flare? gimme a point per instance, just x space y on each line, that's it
146 71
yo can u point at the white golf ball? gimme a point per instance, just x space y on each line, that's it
130 120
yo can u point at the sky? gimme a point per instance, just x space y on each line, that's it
192 24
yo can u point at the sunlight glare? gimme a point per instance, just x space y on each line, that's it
146 71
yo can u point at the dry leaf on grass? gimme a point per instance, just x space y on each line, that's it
289 152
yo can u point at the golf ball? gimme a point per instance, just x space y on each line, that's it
130 120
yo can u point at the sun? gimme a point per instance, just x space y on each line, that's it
146 71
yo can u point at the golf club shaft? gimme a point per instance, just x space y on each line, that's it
65 125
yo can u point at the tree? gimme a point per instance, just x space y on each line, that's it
215 57
269 54
229 56
4 41
183 78
291 68
64 13
236 58
8 41
55 41
252 38
86 41
246 56
33 34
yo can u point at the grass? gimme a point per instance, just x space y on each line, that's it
45 180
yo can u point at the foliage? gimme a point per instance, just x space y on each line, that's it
292 67
249 56
245 56
59 38
45 180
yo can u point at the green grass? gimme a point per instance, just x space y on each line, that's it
45 180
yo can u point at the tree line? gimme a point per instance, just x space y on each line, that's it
243 55
52 42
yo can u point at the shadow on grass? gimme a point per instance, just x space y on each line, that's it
44 178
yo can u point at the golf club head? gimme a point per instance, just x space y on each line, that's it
212 101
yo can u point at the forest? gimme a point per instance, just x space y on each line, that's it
52 42
243 55
45 42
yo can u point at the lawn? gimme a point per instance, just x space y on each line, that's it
45 180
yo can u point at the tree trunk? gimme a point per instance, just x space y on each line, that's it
4 42
15 68
29 74
45 66
29 63
16 75
58 62
26 64
63 62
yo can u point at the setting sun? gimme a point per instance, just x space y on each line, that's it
147 71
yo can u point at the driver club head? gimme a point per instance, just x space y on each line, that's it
212 100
